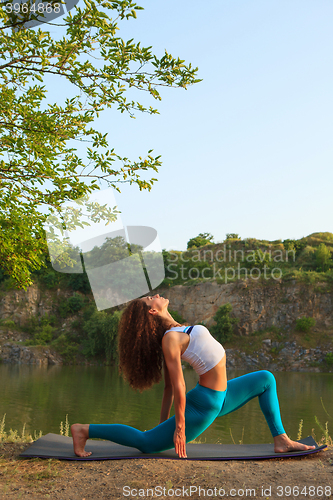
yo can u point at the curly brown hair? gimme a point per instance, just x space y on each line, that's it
140 346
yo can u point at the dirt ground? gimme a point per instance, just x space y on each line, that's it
35 479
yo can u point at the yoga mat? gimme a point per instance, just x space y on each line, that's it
61 447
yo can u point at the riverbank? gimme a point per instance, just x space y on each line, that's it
310 476
272 355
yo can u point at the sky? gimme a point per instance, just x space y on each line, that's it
249 149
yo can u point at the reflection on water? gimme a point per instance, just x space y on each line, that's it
42 396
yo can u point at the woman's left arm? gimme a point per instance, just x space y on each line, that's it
167 395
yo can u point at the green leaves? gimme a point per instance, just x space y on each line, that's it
40 167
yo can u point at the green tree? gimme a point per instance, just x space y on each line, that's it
232 236
223 330
296 245
259 261
200 240
40 166
101 331
323 258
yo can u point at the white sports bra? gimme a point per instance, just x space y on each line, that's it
203 351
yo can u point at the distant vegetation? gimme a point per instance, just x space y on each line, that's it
308 259
200 240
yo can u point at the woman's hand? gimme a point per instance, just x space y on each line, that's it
180 442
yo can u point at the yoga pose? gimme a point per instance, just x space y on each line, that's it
149 339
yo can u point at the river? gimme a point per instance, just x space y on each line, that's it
41 397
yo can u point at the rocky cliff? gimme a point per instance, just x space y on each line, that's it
258 306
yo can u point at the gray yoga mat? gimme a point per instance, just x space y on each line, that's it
61 447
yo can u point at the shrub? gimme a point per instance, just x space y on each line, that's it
329 358
200 240
65 347
223 330
9 323
297 245
323 258
79 283
75 303
42 336
50 279
305 324
45 335
41 329
71 305
101 335
177 317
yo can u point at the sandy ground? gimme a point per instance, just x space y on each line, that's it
303 477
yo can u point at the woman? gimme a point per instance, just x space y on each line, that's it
148 338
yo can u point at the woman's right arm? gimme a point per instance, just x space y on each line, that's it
172 355
167 395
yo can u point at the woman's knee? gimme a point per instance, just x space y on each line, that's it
267 378
146 445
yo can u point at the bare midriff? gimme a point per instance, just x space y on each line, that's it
216 378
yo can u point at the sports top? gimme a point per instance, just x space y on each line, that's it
203 351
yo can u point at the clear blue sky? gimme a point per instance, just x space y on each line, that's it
249 149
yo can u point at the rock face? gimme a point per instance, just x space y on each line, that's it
256 305
20 305
288 356
12 353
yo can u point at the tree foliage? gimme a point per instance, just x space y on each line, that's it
102 335
296 245
232 236
323 258
200 240
40 166
223 330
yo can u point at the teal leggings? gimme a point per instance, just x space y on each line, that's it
203 406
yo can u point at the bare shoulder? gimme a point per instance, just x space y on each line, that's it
171 336
172 340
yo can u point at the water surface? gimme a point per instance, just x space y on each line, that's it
40 397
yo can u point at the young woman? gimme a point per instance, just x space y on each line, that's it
150 338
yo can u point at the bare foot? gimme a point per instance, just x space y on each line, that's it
283 444
80 435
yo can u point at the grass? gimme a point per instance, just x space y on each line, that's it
232 437
326 438
64 429
30 475
15 437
